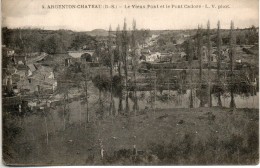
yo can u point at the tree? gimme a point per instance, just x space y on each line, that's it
135 59
105 57
65 110
199 41
102 82
209 64
50 41
125 57
252 35
190 58
118 56
155 93
219 43
51 45
232 54
86 78
118 51
111 71
98 55
83 41
161 42
142 35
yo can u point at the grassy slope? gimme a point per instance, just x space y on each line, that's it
165 127
163 135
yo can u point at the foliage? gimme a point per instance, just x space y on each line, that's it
165 98
196 152
102 82
83 40
118 85
49 41
10 132
142 35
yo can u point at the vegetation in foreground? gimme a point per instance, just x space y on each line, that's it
201 136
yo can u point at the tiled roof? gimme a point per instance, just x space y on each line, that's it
20 67
42 74
34 59
7 49
32 67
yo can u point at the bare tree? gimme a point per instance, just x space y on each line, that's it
232 44
219 44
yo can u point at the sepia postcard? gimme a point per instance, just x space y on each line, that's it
127 82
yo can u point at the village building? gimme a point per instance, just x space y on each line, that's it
238 61
138 51
166 57
7 51
37 57
175 57
145 51
183 55
213 55
23 71
67 61
213 58
43 72
153 57
19 59
142 58
32 68
18 73
41 80
7 85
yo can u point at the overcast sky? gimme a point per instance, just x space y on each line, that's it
29 13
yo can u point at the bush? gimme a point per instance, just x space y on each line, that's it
234 143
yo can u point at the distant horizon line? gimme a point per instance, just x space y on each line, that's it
49 29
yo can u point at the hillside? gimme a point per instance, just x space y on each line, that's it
97 32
